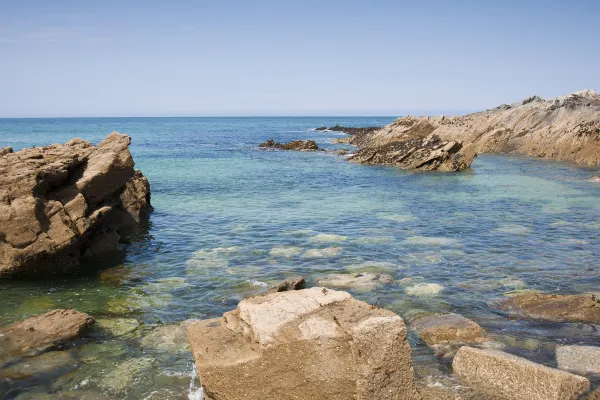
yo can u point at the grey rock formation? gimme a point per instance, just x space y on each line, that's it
301 145
62 203
579 359
312 344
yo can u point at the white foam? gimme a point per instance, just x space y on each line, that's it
195 392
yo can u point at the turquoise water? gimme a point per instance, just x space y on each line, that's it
230 219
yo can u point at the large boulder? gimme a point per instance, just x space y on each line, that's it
553 307
51 330
579 359
312 343
515 378
60 204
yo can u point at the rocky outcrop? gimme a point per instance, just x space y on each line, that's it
301 145
428 153
60 204
435 329
5 151
292 283
553 307
314 344
52 330
579 359
563 128
515 378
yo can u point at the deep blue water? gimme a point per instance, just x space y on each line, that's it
230 219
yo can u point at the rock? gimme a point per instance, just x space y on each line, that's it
118 326
564 128
322 128
345 140
356 133
312 343
513 377
60 204
51 330
327 238
5 151
322 253
123 375
362 281
169 338
595 395
434 329
553 307
429 153
293 283
579 359
596 179
50 363
424 289
285 251
302 145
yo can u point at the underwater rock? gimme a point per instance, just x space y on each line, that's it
285 251
60 204
579 359
361 281
436 329
168 338
322 253
123 376
553 307
118 326
431 241
515 378
327 238
50 363
314 343
53 329
301 145
424 289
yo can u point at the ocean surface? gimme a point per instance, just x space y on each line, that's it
231 219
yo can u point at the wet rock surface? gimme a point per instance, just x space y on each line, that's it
553 307
435 329
361 281
51 330
62 203
312 343
292 283
515 378
301 145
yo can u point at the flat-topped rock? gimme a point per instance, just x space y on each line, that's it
361 281
434 329
304 344
301 145
515 378
579 359
62 203
51 330
553 307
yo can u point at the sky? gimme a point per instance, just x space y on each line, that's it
252 58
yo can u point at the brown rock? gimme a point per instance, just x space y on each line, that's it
51 330
5 151
293 283
553 307
511 377
301 145
595 395
564 128
313 344
579 359
436 329
62 203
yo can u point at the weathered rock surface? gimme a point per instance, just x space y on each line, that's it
312 343
5 151
51 330
553 307
434 329
595 395
62 203
579 359
292 283
301 145
515 378
563 128
424 153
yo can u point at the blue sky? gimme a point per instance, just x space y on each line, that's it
188 58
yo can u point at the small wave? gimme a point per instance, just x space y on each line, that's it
256 283
195 392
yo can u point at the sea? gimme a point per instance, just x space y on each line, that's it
231 219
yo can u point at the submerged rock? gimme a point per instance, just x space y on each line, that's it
37 334
579 359
169 338
312 343
322 253
434 329
62 203
285 251
515 378
123 376
302 145
328 238
50 363
553 307
424 289
362 281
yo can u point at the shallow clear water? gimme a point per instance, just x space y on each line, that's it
230 219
